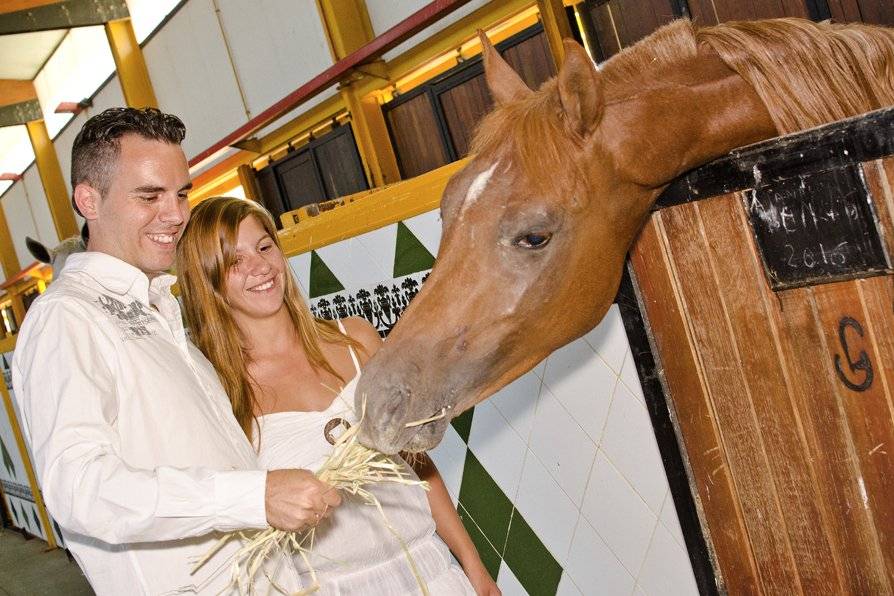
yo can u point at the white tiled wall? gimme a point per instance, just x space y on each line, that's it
591 483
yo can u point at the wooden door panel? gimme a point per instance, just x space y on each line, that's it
748 302
864 401
732 404
692 410
805 354
768 396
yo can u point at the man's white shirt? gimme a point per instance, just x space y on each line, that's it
136 448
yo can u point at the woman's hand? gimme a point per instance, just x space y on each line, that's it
296 499
481 580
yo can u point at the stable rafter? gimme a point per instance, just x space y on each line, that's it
35 15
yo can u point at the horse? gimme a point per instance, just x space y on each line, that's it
537 226
56 257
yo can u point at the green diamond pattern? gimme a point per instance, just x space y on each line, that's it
7 460
485 502
35 518
533 565
410 255
498 529
463 424
322 280
489 556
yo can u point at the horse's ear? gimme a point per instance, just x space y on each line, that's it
38 250
580 89
504 83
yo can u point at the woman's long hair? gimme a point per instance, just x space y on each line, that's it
205 254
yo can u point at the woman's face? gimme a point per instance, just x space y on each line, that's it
255 285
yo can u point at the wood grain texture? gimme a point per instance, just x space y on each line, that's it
879 175
748 302
692 411
721 363
829 446
415 133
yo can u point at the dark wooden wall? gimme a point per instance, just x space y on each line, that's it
433 124
617 24
325 168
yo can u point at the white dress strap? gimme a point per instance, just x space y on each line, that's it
350 349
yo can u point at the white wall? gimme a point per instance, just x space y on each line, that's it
147 14
40 208
193 77
385 14
15 151
20 220
80 64
110 96
277 45
63 144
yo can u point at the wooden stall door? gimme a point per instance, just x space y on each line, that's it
782 400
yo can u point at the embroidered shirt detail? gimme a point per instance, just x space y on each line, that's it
134 319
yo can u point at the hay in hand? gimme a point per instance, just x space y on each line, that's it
350 467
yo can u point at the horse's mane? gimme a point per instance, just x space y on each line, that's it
805 73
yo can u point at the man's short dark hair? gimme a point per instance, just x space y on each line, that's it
96 148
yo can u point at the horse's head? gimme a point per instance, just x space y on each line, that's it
55 256
540 203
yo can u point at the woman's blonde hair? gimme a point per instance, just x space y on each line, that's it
205 254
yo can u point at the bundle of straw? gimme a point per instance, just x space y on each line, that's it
350 467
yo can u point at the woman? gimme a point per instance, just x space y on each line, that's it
280 366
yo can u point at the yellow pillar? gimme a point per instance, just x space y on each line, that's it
29 469
129 62
8 256
371 134
556 27
248 181
51 177
348 28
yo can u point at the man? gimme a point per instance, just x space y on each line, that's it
137 451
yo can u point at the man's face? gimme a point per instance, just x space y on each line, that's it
143 213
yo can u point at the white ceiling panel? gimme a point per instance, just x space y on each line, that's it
24 53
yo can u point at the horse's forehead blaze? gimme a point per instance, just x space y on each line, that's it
477 186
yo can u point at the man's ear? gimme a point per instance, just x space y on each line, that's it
87 199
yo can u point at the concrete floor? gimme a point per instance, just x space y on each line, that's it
28 569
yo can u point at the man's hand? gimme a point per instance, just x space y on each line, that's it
296 499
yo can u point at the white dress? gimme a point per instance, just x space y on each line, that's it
353 551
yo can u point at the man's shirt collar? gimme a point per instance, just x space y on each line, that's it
118 276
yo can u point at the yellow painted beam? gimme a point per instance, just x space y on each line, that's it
17 5
53 182
371 135
348 28
132 72
248 181
346 24
446 41
29 469
302 123
376 209
13 91
556 27
8 257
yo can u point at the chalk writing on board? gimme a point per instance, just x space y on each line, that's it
862 365
816 228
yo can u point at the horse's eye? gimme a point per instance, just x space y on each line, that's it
533 240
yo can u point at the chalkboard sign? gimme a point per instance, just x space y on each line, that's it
816 228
